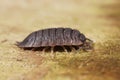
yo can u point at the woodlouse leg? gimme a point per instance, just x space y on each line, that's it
52 51
64 49
72 49
80 48
33 49
44 49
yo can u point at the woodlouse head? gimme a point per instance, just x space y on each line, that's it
88 45
82 37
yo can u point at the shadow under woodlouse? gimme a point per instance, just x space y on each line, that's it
56 48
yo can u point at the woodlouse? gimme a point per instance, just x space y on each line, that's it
56 38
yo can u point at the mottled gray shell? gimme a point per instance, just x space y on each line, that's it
53 37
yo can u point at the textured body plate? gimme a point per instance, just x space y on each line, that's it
53 37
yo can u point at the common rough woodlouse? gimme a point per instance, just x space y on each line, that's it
66 39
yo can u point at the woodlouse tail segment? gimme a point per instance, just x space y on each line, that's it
17 43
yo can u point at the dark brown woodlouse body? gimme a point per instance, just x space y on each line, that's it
54 37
